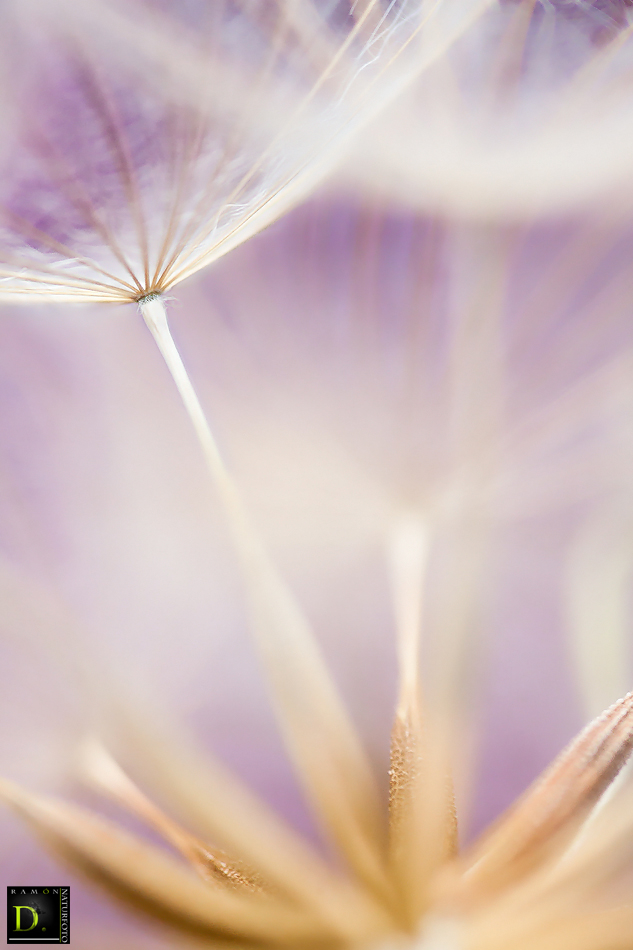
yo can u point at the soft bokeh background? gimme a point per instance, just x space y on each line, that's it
329 354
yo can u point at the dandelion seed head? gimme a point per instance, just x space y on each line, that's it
142 152
528 115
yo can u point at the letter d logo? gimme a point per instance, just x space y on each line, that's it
18 921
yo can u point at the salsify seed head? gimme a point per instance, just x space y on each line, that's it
142 141
528 115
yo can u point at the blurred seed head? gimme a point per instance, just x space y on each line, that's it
528 115
144 140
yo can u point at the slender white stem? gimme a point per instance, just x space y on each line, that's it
409 547
245 539
320 737
155 316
